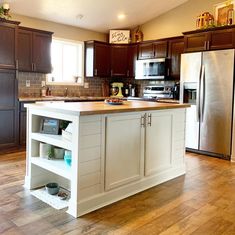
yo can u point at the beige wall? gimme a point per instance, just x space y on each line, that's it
178 20
60 30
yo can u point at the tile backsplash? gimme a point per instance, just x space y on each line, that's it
95 85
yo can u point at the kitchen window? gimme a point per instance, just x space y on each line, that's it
67 59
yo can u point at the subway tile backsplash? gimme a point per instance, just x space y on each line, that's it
95 85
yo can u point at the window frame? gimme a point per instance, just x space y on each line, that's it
82 65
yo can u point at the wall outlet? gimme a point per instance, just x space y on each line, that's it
27 83
43 83
86 85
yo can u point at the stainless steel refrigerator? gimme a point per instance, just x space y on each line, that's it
207 80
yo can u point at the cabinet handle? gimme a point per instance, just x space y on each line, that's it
127 73
142 122
17 64
150 119
208 45
205 45
32 67
168 72
96 72
111 72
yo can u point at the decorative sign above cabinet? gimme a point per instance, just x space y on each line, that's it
119 36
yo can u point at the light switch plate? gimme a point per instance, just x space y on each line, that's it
43 83
27 83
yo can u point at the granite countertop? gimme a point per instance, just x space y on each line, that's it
92 108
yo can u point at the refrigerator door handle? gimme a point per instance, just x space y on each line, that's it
198 96
202 94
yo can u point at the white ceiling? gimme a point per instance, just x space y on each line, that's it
98 15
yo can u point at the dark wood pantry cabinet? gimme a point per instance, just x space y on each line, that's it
9 125
8 47
34 47
210 39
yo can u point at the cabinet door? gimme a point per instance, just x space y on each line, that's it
176 48
158 157
119 61
101 60
145 51
222 39
131 60
7 47
160 49
195 42
25 50
124 150
9 131
22 128
42 52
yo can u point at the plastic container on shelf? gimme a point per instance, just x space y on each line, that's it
68 157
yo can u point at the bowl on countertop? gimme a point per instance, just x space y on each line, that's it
52 188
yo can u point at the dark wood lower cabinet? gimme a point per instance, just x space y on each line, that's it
23 125
9 118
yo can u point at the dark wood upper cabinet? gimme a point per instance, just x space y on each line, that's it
175 49
97 59
42 52
119 61
25 60
222 39
210 39
34 50
131 60
145 50
195 42
9 126
160 49
8 46
153 49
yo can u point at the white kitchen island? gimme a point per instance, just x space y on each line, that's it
117 151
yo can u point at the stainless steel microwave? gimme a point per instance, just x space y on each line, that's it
151 69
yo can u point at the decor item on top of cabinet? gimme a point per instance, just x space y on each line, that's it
4 11
119 36
224 13
205 20
138 35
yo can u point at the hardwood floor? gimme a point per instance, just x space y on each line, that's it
201 202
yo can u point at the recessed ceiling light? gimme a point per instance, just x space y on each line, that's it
121 16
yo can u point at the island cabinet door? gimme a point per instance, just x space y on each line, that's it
158 152
124 150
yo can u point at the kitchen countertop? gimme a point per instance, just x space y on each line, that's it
92 108
89 98
61 98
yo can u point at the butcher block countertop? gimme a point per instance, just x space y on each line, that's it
92 108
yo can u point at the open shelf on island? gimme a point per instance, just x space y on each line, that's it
56 140
57 166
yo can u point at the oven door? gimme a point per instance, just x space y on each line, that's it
151 69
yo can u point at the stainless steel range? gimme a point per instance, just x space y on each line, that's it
158 92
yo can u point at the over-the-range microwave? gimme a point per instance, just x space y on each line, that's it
151 69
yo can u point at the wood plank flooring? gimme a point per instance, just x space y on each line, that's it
201 202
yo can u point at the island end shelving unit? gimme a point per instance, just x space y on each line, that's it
116 151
